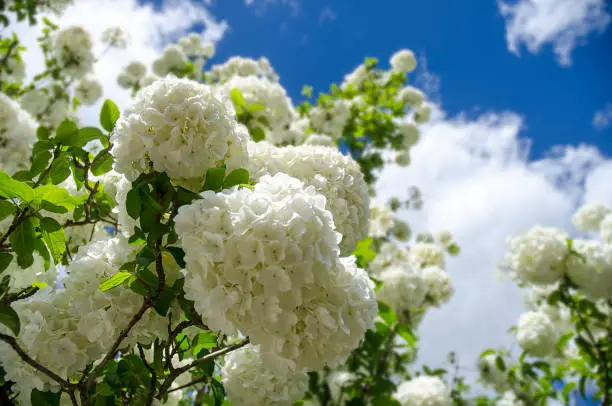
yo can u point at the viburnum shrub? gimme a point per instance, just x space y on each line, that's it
212 243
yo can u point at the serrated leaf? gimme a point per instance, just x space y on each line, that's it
406 333
54 237
103 164
133 203
115 280
205 340
236 177
11 188
214 179
60 170
10 319
56 196
7 208
237 99
387 314
22 241
258 134
164 301
42 133
40 161
66 132
87 134
178 254
5 260
109 114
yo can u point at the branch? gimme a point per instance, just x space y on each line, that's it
30 361
20 218
178 371
150 396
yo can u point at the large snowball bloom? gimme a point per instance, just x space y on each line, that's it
180 127
537 256
335 176
591 270
403 288
17 135
491 374
536 333
73 50
239 66
250 381
423 391
265 262
403 61
381 221
590 216
88 90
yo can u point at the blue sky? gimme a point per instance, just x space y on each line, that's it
316 42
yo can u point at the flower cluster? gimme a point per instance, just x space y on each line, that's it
238 66
17 135
88 90
335 176
172 60
179 127
192 45
423 391
73 50
266 262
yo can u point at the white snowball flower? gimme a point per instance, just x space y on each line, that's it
381 221
403 159
336 176
403 288
182 128
410 133
356 77
538 255
411 96
537 334
592 269
389 253
192 45
73 50
136 69
34 102
590 216
422 255
17 136
423 391
172 60
605 229
403 61
491 374
265 262
250 381
88 91
24 278
331 120
115 37
238 66
422 113
509 398
439 285
277 108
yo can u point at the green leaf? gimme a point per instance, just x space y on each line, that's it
51 197
184 196
164 301
205 340
11 188
5 260
87 134
42 133
54 237
364 253
178 254
214 179
387 313
133 203
115 280
40 161
109 115
238 99
255 107
22 241
404 331
500 364
218 392
102 164
258 134
39 398
7 208
60 170
66 132
236 177
10 319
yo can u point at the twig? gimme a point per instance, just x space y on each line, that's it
151 395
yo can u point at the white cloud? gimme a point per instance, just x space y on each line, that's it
149 30
427 81
561 23
478 183
327 15
603 118
262 5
